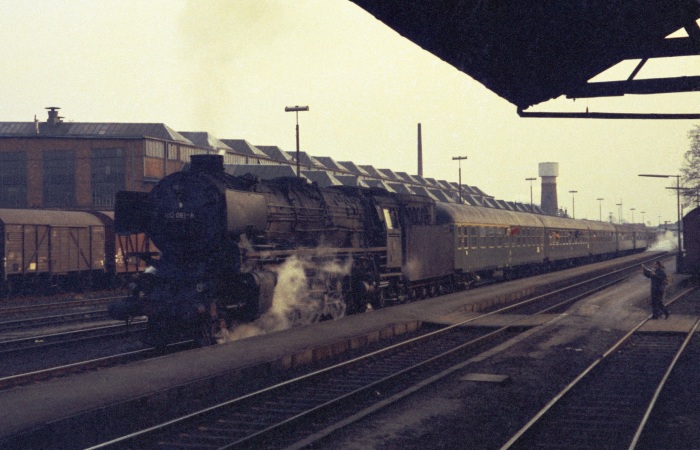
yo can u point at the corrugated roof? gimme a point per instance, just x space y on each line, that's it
404 176
351 180
420 190
244 147
379 184
370 170
401 188
204 139
91 130
441 195
275 153
321 177
307 160
354 167
390 174
263 171
329 162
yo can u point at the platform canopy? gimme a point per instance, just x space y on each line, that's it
529 52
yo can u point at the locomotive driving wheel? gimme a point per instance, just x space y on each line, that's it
334 306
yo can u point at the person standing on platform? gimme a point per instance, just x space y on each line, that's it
659 281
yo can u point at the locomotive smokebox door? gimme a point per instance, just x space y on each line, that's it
131 212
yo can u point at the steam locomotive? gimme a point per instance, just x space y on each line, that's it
231 247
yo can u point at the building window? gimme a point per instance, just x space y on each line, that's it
172 152
13 180
155 149
107 175
59 178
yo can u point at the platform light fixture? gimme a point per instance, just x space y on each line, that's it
632 210
573 203
600 208
296 109
459 159
679 256
531 180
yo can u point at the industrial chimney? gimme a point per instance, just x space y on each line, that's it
420 153
54 118
549 171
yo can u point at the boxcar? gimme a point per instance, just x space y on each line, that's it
46 248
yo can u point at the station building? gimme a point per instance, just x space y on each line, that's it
81 166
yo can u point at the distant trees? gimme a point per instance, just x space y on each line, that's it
690 172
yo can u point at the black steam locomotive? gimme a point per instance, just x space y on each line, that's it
229 246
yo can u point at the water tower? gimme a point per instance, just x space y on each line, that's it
549 171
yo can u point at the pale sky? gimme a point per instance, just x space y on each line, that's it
230 68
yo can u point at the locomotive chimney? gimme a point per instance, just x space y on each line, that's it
549 171
207 163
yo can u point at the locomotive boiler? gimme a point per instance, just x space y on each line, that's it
225 242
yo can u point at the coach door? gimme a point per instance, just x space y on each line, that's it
393 238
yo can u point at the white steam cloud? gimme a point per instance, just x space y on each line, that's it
299 299
666 242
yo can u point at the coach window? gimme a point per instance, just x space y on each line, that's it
13 180
107 175
500 232
59 178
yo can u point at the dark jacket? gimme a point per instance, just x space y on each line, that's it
658 279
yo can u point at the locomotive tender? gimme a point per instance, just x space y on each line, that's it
225 243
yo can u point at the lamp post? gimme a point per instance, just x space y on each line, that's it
573 203
633 210
600 208
459 163
678 206
530 180
643 220
619 217
296 109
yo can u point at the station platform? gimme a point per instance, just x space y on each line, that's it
64 411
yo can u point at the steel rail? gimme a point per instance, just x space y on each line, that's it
614 348
25 308
661 385
81 366
180 422
47 340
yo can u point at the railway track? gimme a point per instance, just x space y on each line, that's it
301 411
28 306
608 405
52 339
